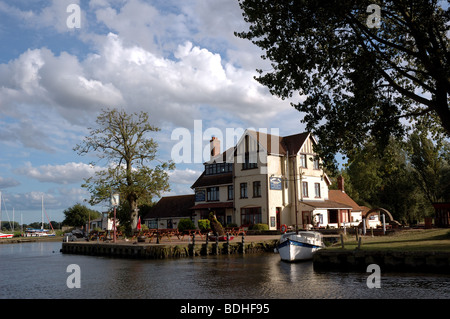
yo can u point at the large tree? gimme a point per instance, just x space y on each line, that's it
359 79
78 215
133 169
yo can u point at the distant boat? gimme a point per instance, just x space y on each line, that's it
36 232
298 246
2 235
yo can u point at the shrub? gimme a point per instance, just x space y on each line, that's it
259 227
204 224
185 224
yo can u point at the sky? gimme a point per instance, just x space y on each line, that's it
63 61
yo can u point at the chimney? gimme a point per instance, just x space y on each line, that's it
214 146
340 183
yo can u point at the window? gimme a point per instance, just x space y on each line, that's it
317 189
316 162
218 168
243 190
230 192
213 193
305 189
250 161
303 160
251 216
257 189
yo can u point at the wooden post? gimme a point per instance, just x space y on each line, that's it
342 241
217 244
359 243
206 244
228 243
243 244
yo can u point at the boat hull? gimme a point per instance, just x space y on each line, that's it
292 250
6 235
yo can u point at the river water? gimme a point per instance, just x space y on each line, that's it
39 270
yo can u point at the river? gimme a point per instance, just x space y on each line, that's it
39 270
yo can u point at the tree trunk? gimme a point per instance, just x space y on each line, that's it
134 212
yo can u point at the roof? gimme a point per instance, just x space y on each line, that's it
329 204
172 206
289 144
211 180
342 197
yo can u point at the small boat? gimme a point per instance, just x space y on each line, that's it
36 232
2 235
299 246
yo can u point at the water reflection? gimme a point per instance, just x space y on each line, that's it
38 270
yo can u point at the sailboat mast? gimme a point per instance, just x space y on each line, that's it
0 210
42 212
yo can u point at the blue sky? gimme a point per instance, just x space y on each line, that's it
177 60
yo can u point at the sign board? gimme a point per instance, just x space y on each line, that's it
275 183
115 200
200 196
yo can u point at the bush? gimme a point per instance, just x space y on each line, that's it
259 227
185 224
204 224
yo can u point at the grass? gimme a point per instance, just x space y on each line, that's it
404 240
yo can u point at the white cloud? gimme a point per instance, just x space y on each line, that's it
60 174
186 176
7 182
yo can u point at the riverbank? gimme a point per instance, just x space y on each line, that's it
173 248
418 250
18 240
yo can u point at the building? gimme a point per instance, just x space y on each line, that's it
105 222
169 211
271 180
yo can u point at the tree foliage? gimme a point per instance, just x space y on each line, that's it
402 181
79 215
358 81
131 154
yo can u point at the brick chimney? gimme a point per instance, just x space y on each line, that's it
340 183
214 146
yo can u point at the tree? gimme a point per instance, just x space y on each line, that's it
78 215
430 167
359 80
123 141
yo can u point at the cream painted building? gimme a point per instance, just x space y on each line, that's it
271 180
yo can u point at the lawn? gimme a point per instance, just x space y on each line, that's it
403 240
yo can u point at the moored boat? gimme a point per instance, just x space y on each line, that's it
2 235
298 246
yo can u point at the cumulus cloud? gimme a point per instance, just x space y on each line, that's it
60 174
7 182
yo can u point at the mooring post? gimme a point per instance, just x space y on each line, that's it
364 226
342 240
217 244
384 223
243 244
193 245
157 237
228 243
359 243
206 244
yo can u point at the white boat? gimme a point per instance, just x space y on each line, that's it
36 232
2 235
297 246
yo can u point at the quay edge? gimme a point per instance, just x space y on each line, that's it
161 251
389 260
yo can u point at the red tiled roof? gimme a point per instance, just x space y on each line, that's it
212 180
337 195
326 204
